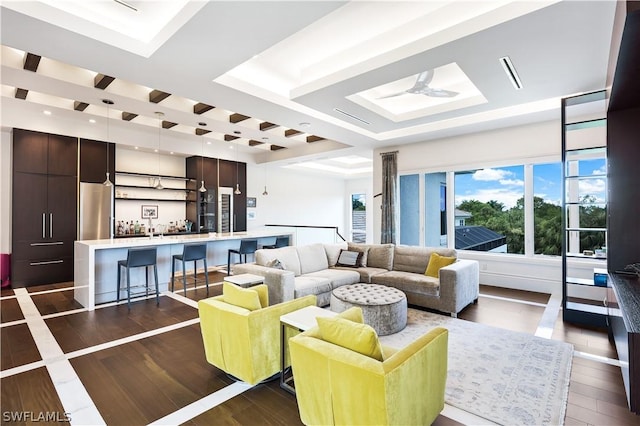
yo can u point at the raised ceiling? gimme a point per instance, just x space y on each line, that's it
292 81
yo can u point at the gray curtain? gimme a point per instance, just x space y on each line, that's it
389 196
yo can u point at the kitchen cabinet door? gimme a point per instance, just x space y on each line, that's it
30 151
29 207
63 155
62 207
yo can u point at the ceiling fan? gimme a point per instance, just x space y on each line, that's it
421 87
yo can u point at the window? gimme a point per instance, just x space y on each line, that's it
410 210
358 218
547 210
435 210
492 204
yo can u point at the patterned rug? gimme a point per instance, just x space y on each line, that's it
504 376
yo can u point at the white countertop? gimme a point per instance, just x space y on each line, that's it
177 239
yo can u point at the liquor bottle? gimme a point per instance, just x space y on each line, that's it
136 228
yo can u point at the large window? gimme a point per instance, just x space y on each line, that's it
547 210
410 210
492 201
359 218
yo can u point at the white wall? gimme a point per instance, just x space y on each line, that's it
6 165
296 198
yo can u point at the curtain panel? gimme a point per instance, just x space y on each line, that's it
389 196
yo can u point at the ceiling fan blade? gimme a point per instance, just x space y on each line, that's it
439 93
393 95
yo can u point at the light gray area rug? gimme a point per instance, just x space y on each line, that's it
504 376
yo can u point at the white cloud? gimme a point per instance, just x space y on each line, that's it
491 174
593 187
513 182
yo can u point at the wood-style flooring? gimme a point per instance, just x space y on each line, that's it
148 364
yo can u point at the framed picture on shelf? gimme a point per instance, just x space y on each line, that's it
149 212
251 201
251 215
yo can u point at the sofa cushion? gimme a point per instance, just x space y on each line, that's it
380 256
337 277
333 251
287 255
305 285
436 262
312 258
364 248
361 338
416 259
365 272
409 282
353 314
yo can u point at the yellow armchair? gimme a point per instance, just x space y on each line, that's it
335 385
241 342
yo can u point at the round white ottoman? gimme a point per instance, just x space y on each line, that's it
383 308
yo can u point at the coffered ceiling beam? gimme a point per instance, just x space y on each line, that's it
157 96
255 143
201 108
291 132
229 138
128 116
266 126
314 138
80 106
21 93
31 62
276 147
201 132
236 118
101 81
168 124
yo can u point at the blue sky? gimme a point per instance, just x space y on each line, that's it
506 184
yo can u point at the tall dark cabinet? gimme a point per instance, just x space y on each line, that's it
221 177
44 207
623 152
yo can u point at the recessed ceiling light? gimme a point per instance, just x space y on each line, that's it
304 124
92 121
208 142
107 101
265 138
155 150
136 147
46 112
202 123
171 152
237 132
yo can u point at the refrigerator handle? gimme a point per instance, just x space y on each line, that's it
43 226
50 225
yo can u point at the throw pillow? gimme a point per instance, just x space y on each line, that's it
275 263
242 297
364 248
263 294
436 262
361 338
353 314
348 258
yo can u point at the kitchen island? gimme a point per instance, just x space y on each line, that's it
95 261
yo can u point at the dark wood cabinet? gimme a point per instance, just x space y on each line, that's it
95 157
202 208
44 208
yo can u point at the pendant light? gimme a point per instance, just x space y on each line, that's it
265 181
159 114
107 181
202 187
237 191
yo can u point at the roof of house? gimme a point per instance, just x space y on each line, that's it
478 238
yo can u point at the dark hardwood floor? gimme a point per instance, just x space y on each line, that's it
148 374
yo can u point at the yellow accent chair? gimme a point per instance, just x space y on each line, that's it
338 385
244 341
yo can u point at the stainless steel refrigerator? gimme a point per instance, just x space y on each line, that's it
96 211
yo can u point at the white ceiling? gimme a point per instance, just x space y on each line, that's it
295 63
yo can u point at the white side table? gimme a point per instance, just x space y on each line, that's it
244 280
302 320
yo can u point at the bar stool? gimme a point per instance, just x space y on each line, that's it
280 242
137 258
190 253
246 247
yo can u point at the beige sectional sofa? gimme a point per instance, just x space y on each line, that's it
311 269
